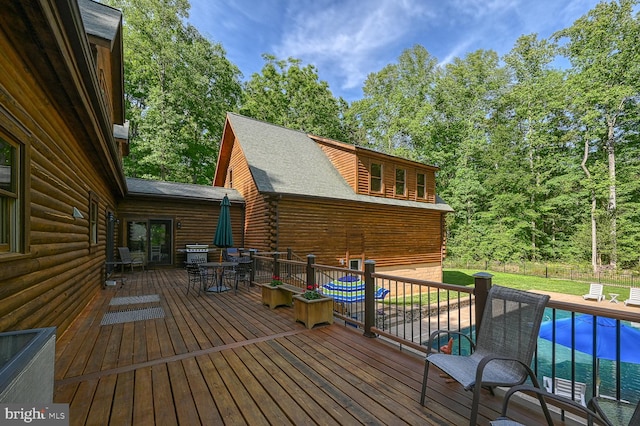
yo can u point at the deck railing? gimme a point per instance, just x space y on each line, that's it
414 308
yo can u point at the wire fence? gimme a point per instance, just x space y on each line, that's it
564 272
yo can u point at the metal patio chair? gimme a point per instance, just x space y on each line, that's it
618 413
241 272
127 259
506 341
590 416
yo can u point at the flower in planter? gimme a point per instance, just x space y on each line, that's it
312 293
275 281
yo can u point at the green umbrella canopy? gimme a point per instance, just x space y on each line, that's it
224 237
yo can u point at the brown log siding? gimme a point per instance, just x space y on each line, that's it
198 220
322 227
60 272
258 211
345 163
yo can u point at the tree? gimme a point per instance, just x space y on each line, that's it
287 94
178 88
465 100
395 111
603 49
536 130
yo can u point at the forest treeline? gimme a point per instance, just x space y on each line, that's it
539 161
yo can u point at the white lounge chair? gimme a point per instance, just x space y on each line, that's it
634 296
562 387
595 292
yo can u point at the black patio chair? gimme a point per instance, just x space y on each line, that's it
618 413
505 345
590 416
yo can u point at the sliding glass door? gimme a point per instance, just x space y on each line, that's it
151 239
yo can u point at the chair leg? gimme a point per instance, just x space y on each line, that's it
473 417
424 381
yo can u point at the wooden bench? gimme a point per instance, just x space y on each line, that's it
279 295
291 288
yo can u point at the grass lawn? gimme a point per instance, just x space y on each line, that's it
464 277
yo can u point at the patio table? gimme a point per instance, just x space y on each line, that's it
218 269
613 297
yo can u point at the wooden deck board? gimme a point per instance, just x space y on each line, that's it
227 359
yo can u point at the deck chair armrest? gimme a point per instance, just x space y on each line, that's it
543 396
438 333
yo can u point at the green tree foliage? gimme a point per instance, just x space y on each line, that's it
604 52
535 161
394 113
178 88
287 94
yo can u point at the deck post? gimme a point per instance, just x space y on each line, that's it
252 272
369 297
481 291
276 265
311 260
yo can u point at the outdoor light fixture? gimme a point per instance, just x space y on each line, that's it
77 214
179 225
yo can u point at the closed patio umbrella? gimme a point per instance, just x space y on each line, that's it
224 236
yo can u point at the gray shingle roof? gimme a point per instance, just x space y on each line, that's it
286 161
184 191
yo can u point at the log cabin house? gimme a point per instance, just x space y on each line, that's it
65 204
343 203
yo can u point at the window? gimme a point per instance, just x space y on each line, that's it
376 178
355 264
230 179
421 185
400 178
10 193
93 219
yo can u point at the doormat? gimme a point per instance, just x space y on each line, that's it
118 317
130 300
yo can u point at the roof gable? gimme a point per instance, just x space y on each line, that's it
286 161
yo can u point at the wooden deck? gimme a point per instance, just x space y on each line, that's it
226 359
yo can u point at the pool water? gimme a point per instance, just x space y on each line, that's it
542 365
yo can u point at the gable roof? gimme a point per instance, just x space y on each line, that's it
289 162
182 191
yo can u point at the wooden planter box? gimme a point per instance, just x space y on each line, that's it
274 296
312 312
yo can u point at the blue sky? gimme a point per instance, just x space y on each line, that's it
348 39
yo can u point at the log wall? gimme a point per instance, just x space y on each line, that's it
198 221
59 271
389 235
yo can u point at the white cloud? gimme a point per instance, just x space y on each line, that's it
347 37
